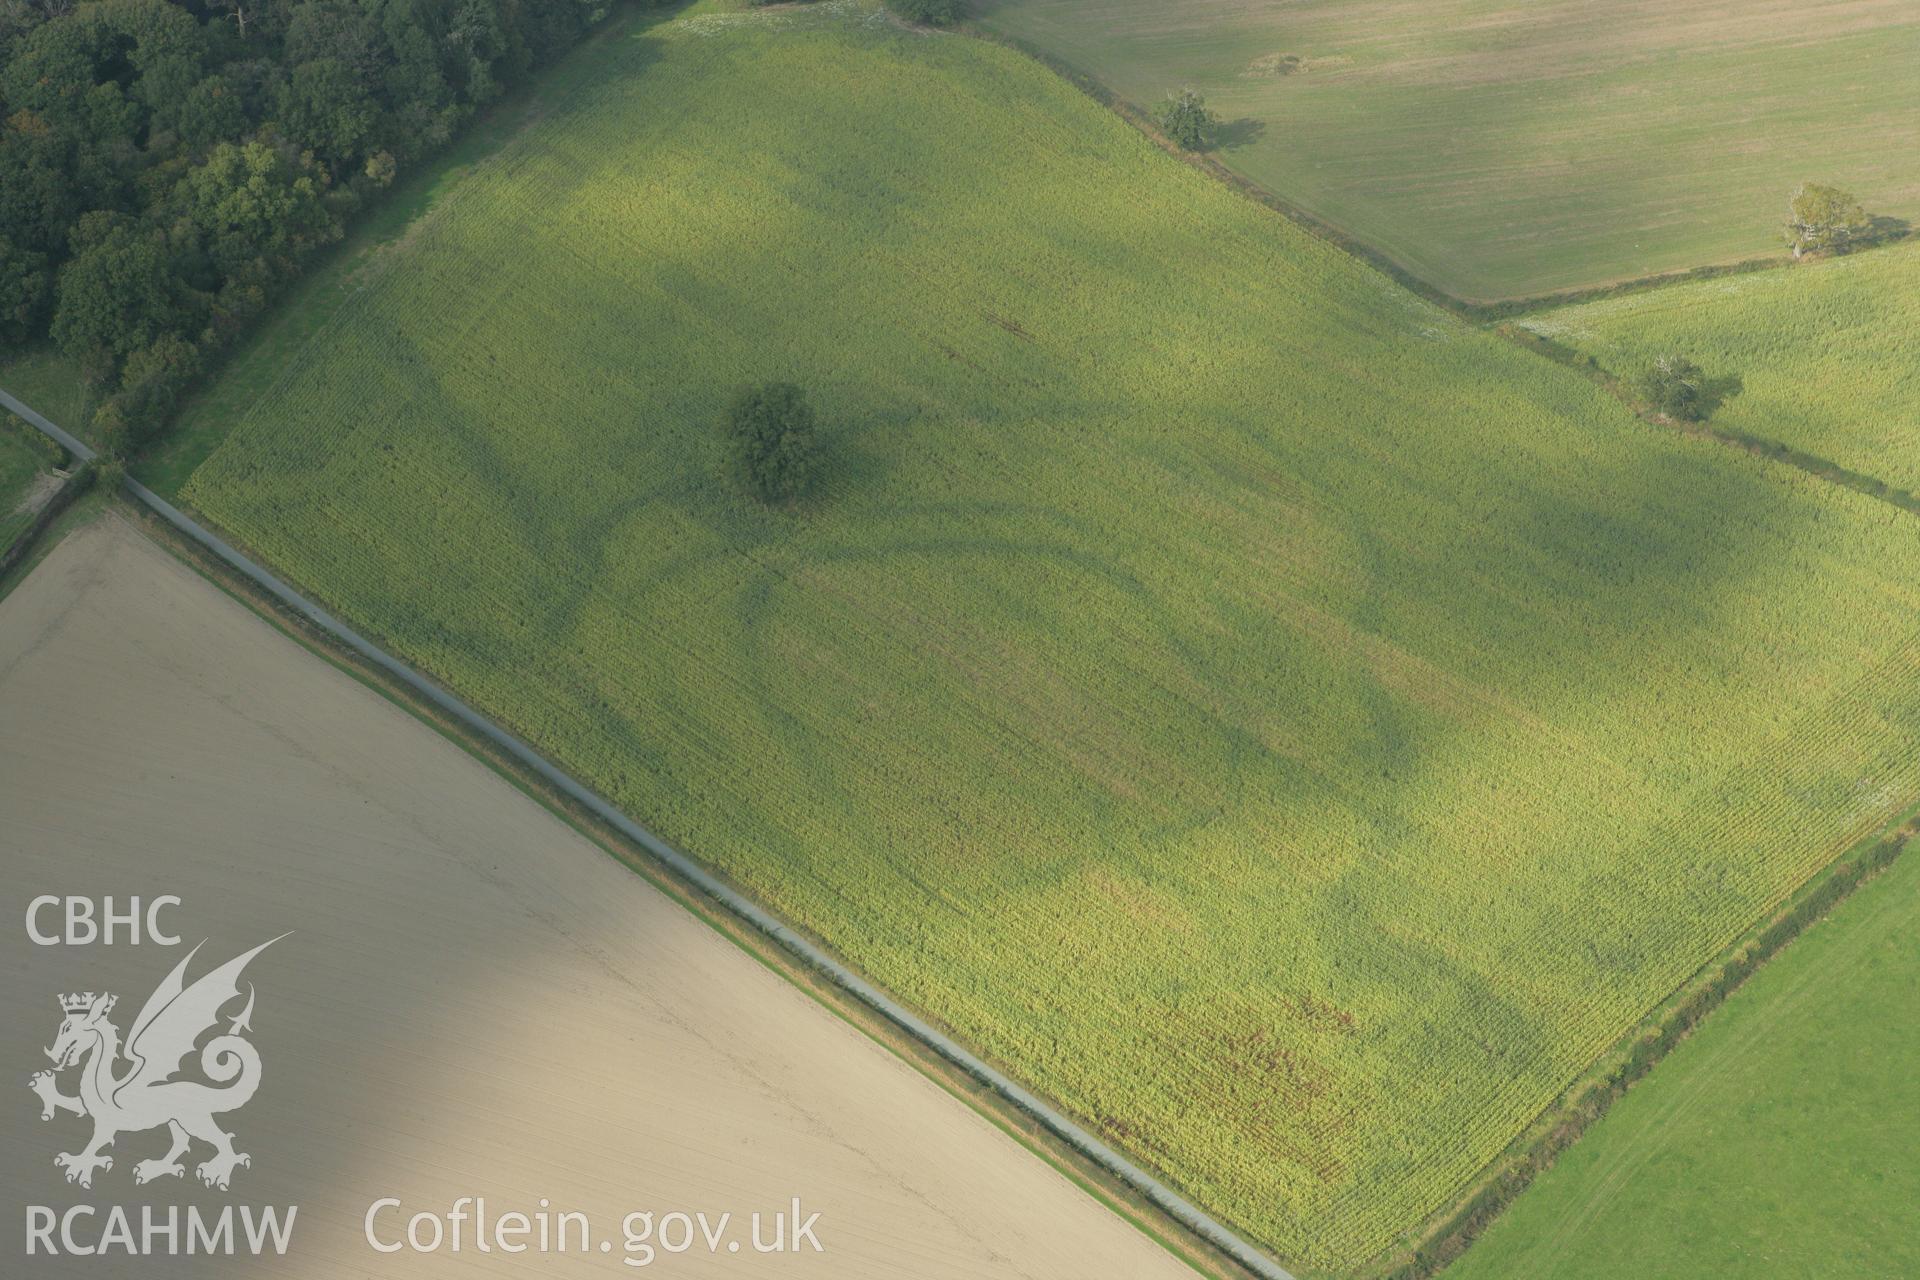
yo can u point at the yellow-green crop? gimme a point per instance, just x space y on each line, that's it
1293 729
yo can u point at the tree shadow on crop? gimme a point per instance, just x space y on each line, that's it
1882 229
852 456
1715 392
1232 135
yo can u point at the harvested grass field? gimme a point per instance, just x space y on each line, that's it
1778 1141
1294 729
1825 352
474 1000
1500 149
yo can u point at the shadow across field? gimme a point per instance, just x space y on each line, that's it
1231 135
1716 390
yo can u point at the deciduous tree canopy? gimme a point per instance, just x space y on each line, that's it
1672 384
164 166
1823 217
770 446
1185 118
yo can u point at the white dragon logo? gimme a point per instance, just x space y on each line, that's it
146 1095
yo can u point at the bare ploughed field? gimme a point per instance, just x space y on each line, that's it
474 1000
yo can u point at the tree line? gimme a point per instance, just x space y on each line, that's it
166 165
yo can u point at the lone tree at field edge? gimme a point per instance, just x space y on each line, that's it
1675 386
1184 118
1823 218
770 448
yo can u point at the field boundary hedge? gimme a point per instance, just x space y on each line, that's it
810 953
1584 1102
1760 446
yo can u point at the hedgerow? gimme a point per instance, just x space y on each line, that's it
1823 351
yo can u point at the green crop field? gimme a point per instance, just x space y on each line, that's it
1500 150
1825 352
1778 1141
1294 729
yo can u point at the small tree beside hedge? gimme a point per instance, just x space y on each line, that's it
770 444
1824 219
1675 387
1184 117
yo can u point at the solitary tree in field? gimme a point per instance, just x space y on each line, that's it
1184 118
1676 387
1820 217
770 449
